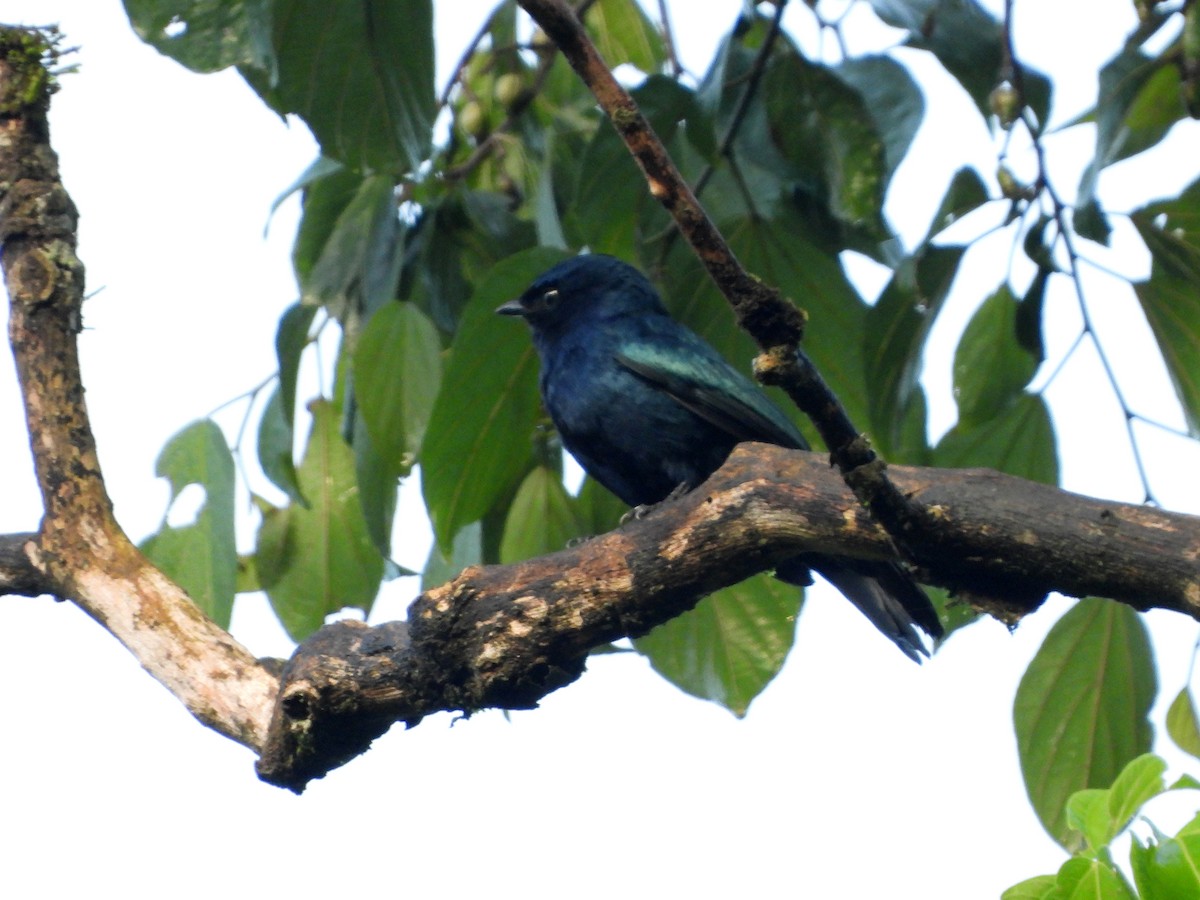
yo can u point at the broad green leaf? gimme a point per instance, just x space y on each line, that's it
291 338
1100 814
1138 103
1019 441
1091 879
320 168
1139 782
200 557
623 34
275 443
360 75
990 366
207 35
892 98
316 561
1081 709
1171 297
1087 813
1029 316
357 268
966 193
731 645
397 375
457 239
479 439
600 510
967 41
467 550
378 476
612 210
897 327
1168 870
1040 887
541 519
1182 723
825 131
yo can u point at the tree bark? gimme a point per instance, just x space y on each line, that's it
505 636
80 552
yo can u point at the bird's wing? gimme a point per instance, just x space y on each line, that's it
690 371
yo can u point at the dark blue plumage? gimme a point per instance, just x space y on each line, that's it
645 405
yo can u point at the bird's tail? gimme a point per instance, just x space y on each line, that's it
884 593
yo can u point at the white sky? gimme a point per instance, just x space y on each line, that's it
856 774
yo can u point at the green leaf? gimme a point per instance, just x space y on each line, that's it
825 132
1019 441
1091 879
200 557
966 193
467 550
1081 709
275 442
1029 316
599 509
731 645
967 41
207 35
612 210
1171 298
542 518
1138 103
361 77
456 241
1102 814
397 375
357 268
1040 887
893 99
623 34
990 366
1182 723
316 561
897 327
290 340
1169 870
378 476
479 439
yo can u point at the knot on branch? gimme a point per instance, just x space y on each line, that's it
777 365
37 207
772 319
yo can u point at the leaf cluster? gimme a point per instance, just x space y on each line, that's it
427 210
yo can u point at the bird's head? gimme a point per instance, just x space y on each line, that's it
585 288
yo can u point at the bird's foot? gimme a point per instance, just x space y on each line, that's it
644 509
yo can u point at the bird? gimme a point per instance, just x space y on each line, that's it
649 409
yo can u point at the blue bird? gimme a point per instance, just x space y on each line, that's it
646 406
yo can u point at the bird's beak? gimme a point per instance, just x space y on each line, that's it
511 308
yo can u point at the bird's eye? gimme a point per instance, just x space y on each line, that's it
550 299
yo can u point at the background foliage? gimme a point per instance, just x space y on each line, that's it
426 210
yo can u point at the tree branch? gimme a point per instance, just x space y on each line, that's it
505 636
80 552
774 323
